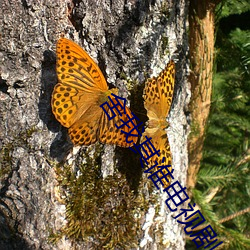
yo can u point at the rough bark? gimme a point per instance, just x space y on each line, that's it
201 41
126 38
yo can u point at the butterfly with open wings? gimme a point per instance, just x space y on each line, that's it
77 97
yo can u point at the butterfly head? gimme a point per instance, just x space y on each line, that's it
104 95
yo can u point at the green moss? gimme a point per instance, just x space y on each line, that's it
130 83
28 133
164 10
123 76
19 140
164 45
5 160
105 210
195 129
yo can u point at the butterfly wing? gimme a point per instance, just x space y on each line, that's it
160 142
85 132
69 104
158 93
77 97
75 68
80 83
110 134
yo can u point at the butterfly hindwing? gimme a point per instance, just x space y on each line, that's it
160 142
112 133
84 133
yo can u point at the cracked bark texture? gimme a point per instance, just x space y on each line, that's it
136 38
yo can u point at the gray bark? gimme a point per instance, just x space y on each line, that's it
133 37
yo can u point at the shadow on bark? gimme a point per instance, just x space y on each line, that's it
61 145
9 239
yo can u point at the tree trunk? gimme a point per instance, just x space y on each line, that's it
201 40
54 196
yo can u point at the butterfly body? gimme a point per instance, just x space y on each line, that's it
157 96
157 124
77 97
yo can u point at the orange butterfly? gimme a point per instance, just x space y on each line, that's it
157 94
77 97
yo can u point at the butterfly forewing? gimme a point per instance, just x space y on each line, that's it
158 92
76 69
63 106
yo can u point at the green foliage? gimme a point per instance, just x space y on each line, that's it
233 53
229 124
230 7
